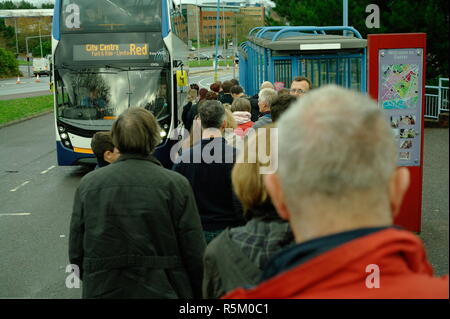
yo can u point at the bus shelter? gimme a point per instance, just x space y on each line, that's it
326 55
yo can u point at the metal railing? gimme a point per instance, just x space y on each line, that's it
436 99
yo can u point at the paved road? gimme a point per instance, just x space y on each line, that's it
28 86
206 79
33 240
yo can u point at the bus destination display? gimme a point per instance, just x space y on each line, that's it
122 51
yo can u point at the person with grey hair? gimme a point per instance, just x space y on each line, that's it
254 100
339 188
207 165
135 231
266 98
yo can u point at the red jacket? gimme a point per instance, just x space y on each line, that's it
341 272
242 129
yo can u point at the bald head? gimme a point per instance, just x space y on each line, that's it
266 85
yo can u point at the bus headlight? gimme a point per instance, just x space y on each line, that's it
65 139
163 133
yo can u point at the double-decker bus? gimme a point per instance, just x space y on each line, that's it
109 55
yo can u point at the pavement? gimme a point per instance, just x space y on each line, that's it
435 209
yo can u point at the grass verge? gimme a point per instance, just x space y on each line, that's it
12 110
193 64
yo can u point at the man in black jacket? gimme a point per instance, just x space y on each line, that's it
135 230
207 166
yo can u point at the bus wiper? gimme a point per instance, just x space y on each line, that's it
95 72
65 66
109 66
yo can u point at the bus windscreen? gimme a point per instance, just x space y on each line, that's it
110 15
92 94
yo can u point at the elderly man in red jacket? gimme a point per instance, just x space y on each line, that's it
338 186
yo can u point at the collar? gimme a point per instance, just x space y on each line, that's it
266 114
128 156
303 252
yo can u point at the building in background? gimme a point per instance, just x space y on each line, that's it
235 21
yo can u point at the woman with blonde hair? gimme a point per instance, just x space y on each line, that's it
229 134
236 257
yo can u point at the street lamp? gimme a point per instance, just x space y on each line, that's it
345 15
217 41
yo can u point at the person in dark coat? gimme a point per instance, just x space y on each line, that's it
191 99
135 231
226 97
207 165
237 256
194 109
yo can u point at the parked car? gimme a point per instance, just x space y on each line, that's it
204 56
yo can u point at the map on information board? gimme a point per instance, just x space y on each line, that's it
400 86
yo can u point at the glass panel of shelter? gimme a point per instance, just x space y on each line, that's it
343 71
283 72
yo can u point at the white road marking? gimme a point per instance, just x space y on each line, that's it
15 214
21 185
62 236
211 78
48 169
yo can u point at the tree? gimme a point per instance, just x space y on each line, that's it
47 6
6 35
7 5
25 5
396 16
46 49
9 66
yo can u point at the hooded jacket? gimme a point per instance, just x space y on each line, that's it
244 123
349 271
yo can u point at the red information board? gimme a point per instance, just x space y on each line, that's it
396 79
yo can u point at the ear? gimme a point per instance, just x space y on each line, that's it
273 187
398 186
108 156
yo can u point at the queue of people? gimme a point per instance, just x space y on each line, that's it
220 224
